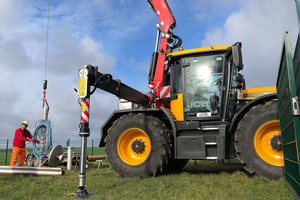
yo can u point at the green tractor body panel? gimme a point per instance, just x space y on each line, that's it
288 93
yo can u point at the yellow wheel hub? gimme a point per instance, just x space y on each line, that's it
134 146
262 143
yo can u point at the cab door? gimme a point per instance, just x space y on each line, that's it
203 80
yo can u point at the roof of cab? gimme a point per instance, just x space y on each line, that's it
198 50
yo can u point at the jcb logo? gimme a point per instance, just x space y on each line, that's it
197 104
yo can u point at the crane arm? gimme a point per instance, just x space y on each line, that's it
90 76
164 13
165 30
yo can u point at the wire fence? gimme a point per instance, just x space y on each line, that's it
92 148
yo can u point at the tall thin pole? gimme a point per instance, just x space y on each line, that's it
92 147
46 59
6 152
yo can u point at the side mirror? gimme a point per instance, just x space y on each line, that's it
237 55
241 83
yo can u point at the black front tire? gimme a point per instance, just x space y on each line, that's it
142 131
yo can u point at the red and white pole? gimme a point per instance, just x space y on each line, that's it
85 111
84 129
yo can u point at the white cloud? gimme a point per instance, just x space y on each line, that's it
260 26
13 54
67 53
22 55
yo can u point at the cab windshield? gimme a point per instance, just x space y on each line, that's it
203 83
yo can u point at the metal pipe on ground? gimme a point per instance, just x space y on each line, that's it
78 158
94 158
41 171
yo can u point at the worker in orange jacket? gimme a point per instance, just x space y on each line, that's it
21 135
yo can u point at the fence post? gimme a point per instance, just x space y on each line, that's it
6 152
92 147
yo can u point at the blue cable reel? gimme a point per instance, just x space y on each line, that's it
43 130
43 133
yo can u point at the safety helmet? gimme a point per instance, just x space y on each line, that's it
25 123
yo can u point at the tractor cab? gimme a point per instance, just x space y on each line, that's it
205 81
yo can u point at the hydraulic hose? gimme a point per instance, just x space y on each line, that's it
43 130
108 78
178 41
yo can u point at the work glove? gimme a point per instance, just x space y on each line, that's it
34 140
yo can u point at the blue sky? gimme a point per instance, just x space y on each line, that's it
119 37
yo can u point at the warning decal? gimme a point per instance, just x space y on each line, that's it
82 88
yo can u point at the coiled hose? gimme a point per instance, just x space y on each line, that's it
43 130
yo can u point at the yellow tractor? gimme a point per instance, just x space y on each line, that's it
198 108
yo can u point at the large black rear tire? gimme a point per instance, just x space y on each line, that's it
137 145
257 141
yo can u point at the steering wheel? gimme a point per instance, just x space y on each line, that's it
217 82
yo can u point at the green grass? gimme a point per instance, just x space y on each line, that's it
206 180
